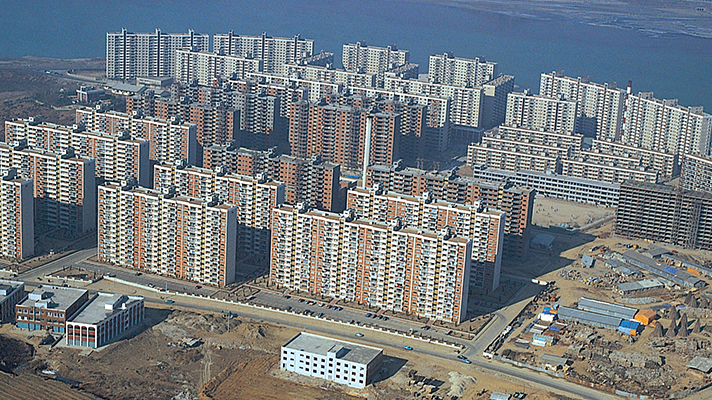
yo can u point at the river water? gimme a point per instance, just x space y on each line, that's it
671 66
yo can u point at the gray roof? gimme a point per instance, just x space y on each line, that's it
701 364
587 317
553 360
656 251
623 268
499 396
102 306
320 345
543 239
649 264
640 285
7 287
688 264
53 297
602 307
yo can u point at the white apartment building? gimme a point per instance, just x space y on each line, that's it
342 362
667 164
525 110
665 126
330 74
696 173
209 68
171 235
130 55
600 107
450 70
590 168
389 266
544 138
274 52
16 217
359 57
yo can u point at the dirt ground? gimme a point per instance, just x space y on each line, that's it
548 212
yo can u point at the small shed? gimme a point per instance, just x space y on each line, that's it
542 241
588 261
646 316
499 396
702 364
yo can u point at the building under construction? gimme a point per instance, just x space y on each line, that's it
665 214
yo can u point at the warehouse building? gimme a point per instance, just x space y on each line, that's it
589 318
103 319
623 268
605 308
322 357
679 277
11 292
639 286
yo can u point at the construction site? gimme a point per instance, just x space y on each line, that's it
627 316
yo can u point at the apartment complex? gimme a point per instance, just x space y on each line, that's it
11 293
386 265
342 362
455 71
498 151
273 52
665 126
666 164
359 57
600 106
553 185
130 55
105 317
666 214
485 227
49 308
16 217
63 186
696 173
525 110
515 201
163 233
254 198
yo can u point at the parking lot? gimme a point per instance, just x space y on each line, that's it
318 309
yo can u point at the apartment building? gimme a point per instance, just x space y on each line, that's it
103 319
485 227
273 52
130 55
359 57
350 364
450 70
166 234
116 156
312 179
553 185
494 109
169 139
385 265
11 293
665 214
330 74
49 308
605 168
665 126
544 138
16 218
525 110
667 164
600 106
63 186
210 68
338 133
254 198
696 173
500 152
515 201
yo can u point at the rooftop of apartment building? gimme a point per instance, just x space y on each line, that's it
322 345
103 306
53 297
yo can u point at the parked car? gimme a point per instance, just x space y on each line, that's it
359 334
461 357
407 347
368 315
170 301
466 361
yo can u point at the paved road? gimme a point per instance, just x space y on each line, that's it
55 265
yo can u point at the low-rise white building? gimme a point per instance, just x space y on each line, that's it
104 318
342 362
